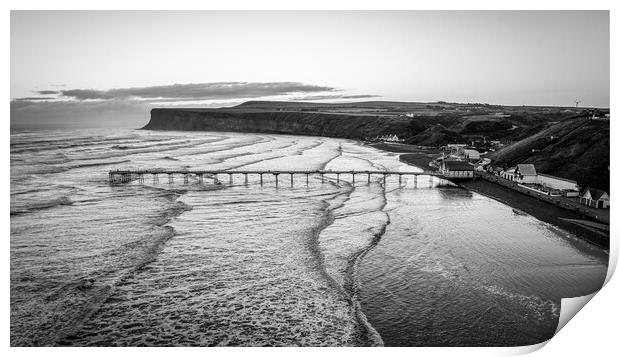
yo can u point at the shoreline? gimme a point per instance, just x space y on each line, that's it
574 223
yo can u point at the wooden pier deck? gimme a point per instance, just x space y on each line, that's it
124 176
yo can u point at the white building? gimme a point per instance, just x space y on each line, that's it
389 138
456 169
594 198
455 147
525 173
557 183
471 154
509 174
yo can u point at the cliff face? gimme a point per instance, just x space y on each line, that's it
279 122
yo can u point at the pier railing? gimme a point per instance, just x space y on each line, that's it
125 176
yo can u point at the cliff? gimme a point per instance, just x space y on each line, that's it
276 122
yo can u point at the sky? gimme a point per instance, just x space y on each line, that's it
94 68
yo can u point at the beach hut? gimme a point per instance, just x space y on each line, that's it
594 198
509 174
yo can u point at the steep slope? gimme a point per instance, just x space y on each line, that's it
577 149
435 135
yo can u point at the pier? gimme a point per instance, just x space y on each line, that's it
125 176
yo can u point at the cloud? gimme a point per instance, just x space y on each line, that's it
84 94
198 91
80 107
36 98
47 92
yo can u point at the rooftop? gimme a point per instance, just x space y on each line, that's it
558 178
526 169
454 165
594 192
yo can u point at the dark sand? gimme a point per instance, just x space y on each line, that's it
546 212
543 211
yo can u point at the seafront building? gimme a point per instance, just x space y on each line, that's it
462 152
525 173
471 154
508 174
526 176
594 198
559 183
456 169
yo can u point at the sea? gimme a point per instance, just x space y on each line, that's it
233 262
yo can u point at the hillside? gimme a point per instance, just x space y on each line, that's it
577 149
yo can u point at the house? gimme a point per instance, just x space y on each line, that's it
557 183
495 170
471 154
456 169
388 138
525 173
594 198
496 144
509 174
455 147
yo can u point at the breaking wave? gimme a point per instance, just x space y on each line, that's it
60 201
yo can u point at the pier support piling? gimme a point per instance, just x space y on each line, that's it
140 176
